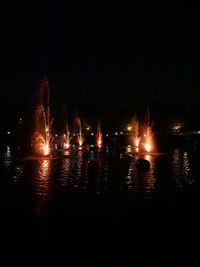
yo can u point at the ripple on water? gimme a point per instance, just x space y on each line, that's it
46 177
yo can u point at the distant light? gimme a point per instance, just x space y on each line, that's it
121 133
177 127
198 132
88 128
74 134
116 133
145 135
107 135
92 134
47 129
56 135
8 133
64 135
129 128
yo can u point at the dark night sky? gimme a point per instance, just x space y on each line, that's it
102 57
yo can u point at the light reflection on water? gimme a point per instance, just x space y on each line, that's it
64 172
69 173
182 168
18 173
42 185
141 183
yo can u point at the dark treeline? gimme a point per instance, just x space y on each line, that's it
112 118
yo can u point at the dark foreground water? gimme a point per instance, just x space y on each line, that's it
54 213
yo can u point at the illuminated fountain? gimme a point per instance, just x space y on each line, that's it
136 137
66 138
99 135
148 143
80 138
42 139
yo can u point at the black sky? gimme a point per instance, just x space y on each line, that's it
98 56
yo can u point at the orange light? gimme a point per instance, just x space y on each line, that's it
66 140
147 147
99 143
99 136
80 142
66 145
137 141
149 140
46 149
80 139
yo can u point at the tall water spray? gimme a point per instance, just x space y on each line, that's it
67 137
42 134
99 135
148 143
136 137
80 138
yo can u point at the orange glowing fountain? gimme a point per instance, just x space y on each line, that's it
99 135
148 144
42 136
67 138
80 138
